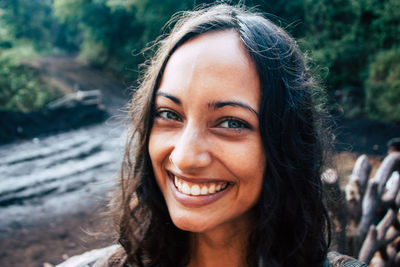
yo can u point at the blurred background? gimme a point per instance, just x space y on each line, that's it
66 67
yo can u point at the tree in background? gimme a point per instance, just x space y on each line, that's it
31 20
345 37
114 32
383 86
26 28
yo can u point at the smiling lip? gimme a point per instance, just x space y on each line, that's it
195 200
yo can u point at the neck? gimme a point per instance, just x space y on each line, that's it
224 246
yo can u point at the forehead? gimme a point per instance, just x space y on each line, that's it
223 46
214 62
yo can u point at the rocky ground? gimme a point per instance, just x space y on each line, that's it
54 188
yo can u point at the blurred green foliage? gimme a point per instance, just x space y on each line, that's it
383 86
347 40
28 19
114 32
21 87
345 35
26 30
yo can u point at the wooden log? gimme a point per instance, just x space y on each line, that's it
383 226
387 257
389 196
389 164
397 200
377 261
370 203
353 202
392 233
397 259
369 245
375 237
391 253
374 192
380 236
361 171
355 188
354 192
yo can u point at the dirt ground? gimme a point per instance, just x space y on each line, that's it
54 241
73 233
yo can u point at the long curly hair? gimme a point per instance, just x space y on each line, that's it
292 224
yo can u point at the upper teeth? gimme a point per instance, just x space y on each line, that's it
198 189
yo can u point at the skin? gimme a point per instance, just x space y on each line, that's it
207 123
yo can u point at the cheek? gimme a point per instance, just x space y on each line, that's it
160 146
156 154
153 145
157 147
246 161
248 164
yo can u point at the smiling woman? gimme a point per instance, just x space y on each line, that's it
223 162
205 144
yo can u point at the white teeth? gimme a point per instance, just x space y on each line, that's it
204 190
180 186
195 190
186 189
211 189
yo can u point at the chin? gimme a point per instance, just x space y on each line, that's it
191 223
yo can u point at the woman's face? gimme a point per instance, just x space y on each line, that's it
205 145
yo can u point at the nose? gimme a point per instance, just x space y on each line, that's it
191 151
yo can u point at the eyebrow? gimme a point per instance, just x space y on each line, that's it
215 105
221 104
173 98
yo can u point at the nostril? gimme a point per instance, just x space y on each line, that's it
191 151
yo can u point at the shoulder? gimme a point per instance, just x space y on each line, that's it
102 258
93 258
339 260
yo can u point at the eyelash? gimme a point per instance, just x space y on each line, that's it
159 114
163 114
242 124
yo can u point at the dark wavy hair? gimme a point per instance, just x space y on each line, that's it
292 223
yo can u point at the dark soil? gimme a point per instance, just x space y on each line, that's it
54 241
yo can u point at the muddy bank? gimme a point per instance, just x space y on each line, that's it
18 125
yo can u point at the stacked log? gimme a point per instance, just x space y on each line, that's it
372 212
